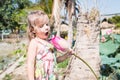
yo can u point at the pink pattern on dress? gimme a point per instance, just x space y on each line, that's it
44 63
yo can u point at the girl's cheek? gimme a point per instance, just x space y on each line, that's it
42 29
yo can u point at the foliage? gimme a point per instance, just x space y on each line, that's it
64 34
45 5
12 13
118 25
114 76
5 62
20 51
63 64
115 20
7 77
110 56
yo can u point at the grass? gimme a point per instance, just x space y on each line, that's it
63 64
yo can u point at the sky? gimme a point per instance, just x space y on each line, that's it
107 6
104 6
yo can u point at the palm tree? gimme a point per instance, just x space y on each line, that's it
70 7
86 47
55 17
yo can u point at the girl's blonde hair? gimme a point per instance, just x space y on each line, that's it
32 19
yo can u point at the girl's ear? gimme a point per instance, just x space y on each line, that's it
34 29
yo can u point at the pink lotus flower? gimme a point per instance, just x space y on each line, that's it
60 43
103 39
109 31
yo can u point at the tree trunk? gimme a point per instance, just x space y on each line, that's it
71 11
70 32
56 15
86 47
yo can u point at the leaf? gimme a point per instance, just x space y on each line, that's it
108 47
107 60
117 37
118 56
117 65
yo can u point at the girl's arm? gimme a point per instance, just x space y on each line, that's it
31 60
64 57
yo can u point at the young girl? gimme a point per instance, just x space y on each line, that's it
40 56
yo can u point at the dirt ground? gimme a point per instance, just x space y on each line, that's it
6 49
9 45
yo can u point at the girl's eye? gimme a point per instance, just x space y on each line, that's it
43 25
46 24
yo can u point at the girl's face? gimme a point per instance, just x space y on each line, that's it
42 31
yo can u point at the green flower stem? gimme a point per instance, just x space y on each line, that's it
86 64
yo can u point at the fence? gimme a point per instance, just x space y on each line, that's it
4 33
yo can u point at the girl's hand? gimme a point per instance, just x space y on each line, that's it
70 52
67 55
